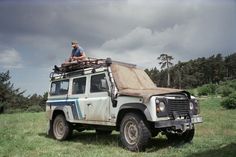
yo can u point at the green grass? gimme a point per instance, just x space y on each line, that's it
23 134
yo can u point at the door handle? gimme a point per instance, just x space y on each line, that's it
89 104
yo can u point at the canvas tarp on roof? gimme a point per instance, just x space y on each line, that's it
135 82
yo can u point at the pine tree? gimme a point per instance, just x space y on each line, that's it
166 63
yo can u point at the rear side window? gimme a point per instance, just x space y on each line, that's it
59 87
98 83
79 85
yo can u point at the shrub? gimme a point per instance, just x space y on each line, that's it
35 108
225 91
232 84
208 89
11 111
203 90
193 92
3 107
229 102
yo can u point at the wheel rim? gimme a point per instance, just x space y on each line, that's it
131 132
59 129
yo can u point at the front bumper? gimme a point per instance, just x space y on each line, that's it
179 123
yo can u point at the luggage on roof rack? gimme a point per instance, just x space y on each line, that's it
81 65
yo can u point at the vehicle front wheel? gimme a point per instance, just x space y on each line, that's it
188 135
134 132
62 129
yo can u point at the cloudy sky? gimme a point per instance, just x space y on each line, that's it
35 35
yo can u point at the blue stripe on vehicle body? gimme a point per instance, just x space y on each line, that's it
72 103
78 108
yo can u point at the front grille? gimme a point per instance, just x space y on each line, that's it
179 107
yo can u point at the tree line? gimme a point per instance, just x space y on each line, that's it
193 73
13 100
183 75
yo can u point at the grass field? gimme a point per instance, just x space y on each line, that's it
23 134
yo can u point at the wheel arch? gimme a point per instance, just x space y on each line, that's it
137 108
56 112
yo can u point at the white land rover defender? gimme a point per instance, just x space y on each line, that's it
105 95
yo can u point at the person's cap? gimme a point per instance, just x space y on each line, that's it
74 42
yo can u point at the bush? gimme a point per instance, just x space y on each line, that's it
3 107
232 84
225 91
203 91
229 102
35 108
11 111
193 92
208 89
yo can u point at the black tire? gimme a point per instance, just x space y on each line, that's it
187 136
134 132
154 132
103 132
62 129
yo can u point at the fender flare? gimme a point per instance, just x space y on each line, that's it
62 109
137 106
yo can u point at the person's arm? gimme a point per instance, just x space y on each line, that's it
83 56
71 57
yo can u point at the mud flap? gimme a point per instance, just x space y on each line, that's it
49 129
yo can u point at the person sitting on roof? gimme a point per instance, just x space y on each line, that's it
77 53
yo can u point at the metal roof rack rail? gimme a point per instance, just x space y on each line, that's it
80 66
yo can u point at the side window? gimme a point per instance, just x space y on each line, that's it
98 83
59 87
79 85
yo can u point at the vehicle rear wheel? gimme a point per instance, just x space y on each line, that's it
134 132
62 129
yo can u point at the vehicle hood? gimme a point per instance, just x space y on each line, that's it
133 81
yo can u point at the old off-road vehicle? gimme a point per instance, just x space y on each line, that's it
105 95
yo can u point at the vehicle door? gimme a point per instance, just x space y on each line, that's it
78 97
98 104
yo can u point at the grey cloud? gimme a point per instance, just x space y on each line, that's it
208 30
189 29
135 31
9 58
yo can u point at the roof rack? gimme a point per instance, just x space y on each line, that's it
80 66
84 65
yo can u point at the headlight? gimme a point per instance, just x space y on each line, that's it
160 106
191 106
